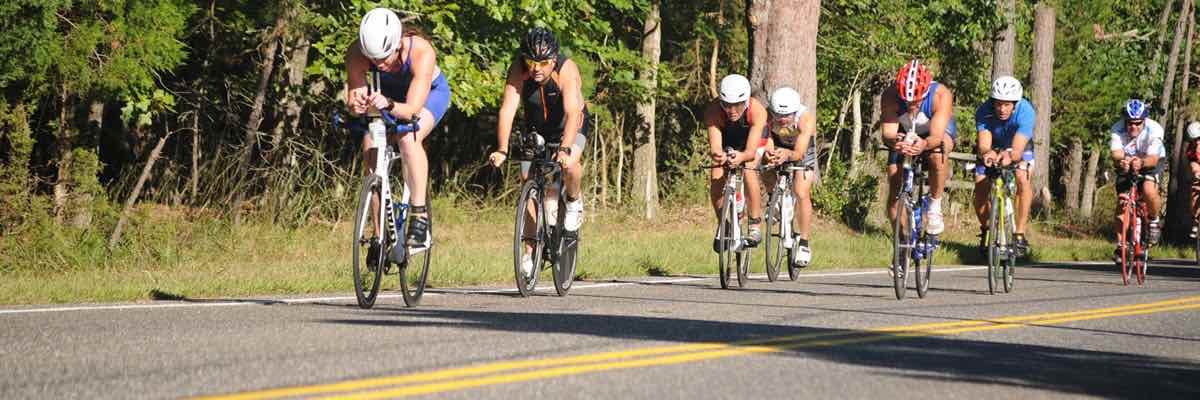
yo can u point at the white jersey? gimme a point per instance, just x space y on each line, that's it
1148 142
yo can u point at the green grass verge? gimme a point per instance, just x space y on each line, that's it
171 255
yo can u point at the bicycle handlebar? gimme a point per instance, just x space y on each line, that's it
359 122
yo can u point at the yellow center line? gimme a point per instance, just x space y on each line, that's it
667 355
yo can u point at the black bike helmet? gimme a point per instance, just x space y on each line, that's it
539 44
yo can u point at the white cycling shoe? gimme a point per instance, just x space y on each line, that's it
802 256
934 224
574 218
527 265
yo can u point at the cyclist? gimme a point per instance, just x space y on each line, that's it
1193 156
1137 148
736 120
411 86
1005 136
792 134
550 87
918 104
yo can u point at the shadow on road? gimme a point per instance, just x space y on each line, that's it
940 358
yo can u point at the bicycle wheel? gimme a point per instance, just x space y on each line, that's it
995 238
743 266
774 232
725 254
924 267
414 271
368 265
568 250
529 201
901 244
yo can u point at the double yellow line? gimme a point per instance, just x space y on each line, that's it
526 370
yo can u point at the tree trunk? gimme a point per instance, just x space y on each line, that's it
758 30
271 47
137 190
1074 174
1162 34
1172 62
1005 41
295 64
1178 194
856 137
620 146
645 151
716 48
791 51
1089 182
63 150
1043 86
876 114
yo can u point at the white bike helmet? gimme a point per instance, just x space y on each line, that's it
786 101
1007 88
379 33
735 89
1193 130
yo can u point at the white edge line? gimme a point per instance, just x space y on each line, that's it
431 292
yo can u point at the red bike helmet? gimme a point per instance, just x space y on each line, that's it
913 81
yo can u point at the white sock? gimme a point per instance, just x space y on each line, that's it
935 204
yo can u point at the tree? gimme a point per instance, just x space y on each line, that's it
1043 78
1004 43
645 182
791 54
1179 193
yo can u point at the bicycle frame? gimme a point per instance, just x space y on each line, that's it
733 185
913 185
1135 214
1003 187
787 206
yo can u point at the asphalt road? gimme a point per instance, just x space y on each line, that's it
1066 331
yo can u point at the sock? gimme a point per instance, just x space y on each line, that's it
935 204
802 242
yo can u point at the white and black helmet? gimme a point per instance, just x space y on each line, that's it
379 33
786 101
1193 130
1007 88
735 89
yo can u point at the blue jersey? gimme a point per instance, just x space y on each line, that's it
920 123
1021 122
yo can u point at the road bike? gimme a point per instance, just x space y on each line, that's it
780 226
911 246
538 232
1002 252
1133 250
733 251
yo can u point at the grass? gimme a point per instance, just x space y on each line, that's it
171 255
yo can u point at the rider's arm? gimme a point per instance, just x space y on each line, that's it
758 123
943 111
572 92
1118 148
808 129
356 80
983 141
1026 122
889 126
712 119
424 63
508 105
1156 149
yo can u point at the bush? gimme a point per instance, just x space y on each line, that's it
845 198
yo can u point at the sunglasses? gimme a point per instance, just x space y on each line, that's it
538 64
1135 122
731 105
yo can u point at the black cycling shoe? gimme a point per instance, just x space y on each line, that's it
1021 244
983 244
373 256
418 232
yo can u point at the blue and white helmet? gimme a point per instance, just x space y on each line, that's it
1136 109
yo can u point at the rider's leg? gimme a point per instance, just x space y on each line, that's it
1195 192
1024 200
753 189
893 172
573 179
802 189
1153 208
939 170
716 185
416 176
416 165
369 156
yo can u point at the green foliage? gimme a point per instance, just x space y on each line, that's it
848 199
17 200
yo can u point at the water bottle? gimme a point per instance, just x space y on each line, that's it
541 142
378 132
739 202
551 205
1008 210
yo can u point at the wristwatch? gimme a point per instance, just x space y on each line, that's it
565 149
